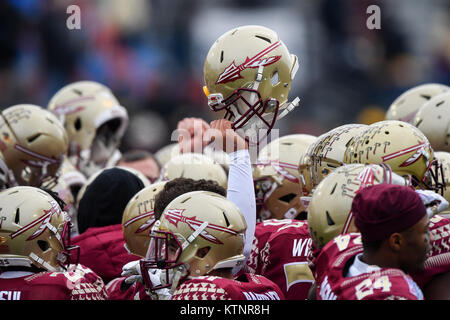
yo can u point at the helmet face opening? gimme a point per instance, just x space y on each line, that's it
71 253
245 106
163 253
433 179
105 141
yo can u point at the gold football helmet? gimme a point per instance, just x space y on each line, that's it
409 102
403 147
170 151
444 159
195 166
34 231
138 218
305 170
329 212
433 119
248 73
199 232
33 144
167 152
278 186
95 123
329 149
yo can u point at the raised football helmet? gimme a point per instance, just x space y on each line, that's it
195 166
199 232
403 147
95 123
33 144
433 119
329 212
138 218
34 231
278 186
248 73
409 102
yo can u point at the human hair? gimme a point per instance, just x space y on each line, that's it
62 204
179 186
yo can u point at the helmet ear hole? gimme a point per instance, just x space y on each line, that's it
77 124
43 245
330 221
288 197
17 216
202 252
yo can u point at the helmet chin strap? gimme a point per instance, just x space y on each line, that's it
42 262
194 235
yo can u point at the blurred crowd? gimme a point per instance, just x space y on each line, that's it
150 53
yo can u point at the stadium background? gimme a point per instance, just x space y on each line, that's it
150 53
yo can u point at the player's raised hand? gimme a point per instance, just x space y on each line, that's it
224 137
190 134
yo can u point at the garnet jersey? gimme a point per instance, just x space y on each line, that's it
119 290
263 231
333 263
284 259
102 250
78 283
245 287
438 260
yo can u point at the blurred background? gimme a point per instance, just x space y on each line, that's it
151 52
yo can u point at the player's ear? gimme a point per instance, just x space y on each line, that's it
396 241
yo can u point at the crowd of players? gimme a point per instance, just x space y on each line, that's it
359 212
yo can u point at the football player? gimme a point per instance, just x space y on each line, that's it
375 264
37 259
200 239
240 187
138 218
95 123
33 145
99 221
277 181
330 213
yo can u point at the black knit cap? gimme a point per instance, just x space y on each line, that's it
106 197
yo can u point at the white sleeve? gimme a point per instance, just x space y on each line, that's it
241 192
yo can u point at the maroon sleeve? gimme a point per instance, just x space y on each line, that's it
438 261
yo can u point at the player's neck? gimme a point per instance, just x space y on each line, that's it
379 258
223 273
